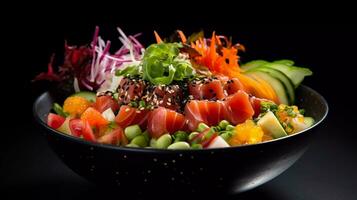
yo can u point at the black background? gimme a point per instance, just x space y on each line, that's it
327 170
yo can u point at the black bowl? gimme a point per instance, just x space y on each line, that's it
229 170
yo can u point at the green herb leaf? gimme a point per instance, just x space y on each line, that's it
302 111
266 106
162 64
130 70
59 110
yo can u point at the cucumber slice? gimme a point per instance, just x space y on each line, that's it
295 74
253 64
285 62
275 83
309 121
90 96
288 85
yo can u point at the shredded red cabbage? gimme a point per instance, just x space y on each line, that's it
89 66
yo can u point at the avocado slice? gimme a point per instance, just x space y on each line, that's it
90 96
271 125
285 62
253 64
288 85
276 84
64 128
295 74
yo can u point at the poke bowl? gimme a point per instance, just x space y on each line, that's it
200 165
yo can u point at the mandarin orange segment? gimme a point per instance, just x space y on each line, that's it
247 133
75 106
94 117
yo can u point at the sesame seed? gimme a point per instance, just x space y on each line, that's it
127 110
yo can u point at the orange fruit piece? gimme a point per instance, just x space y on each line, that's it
247 133
75 105
94 117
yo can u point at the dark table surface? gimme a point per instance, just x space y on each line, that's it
328 170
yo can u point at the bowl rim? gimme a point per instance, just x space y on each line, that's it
155 150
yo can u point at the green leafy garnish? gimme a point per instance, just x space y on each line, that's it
133 104
112 125
142 104
266 106
129 70
290 111
162 64
302 111
59 110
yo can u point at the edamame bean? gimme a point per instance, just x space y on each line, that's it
230 127
164 141
140 140
180 136
196 146
226 135
223 124
193 135
132 131
201 127
131 145
179 145
146 135
216 128
153 142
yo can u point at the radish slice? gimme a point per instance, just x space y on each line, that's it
218 142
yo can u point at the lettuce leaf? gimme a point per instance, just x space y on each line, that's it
162 64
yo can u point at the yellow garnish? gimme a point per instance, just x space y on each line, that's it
246 133
75 106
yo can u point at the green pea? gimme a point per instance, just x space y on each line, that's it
230 127
201 127
153 142
196 146
132 131
179 145
223 124
131 145
140 140
180 136
164 141
193 135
